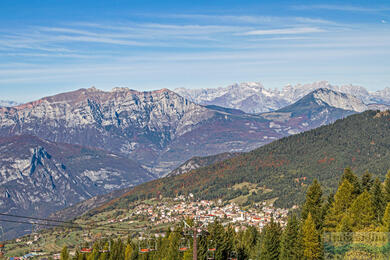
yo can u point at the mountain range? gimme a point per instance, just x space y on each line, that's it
312 110
255 98
161 129
63 149
282 170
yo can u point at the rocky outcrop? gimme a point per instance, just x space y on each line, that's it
137 124
38 177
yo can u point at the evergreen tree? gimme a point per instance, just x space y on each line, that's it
353 179
216 240
345 224
387 188
128 252
229 238
311 243
291 242
327 206
65 253
378 200
362 212
367 181
313 204
172 250
386 218
117 250
342 200
202 247
270 244
249 242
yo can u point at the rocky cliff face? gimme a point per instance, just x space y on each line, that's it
318 108
159 129
338 100
138 124
255 98
38 177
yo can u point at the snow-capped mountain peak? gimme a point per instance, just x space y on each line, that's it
253 97
250 97
6 103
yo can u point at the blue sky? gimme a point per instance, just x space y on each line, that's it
48 47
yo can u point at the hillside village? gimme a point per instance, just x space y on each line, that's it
205 212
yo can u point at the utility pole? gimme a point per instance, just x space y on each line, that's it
195 245
195 234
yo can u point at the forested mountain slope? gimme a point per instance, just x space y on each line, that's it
198 162
283 169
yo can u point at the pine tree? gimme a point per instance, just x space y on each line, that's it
228 240
313 204
187 255
65 253
362 212
128 252
386 218
117 250
311 242
353 179
291 242
174 240
367 181
249 241
342 201
270 244
327 206
345 226
387 188
217 234
378 200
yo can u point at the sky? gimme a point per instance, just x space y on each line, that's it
48 47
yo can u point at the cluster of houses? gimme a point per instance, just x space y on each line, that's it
206 211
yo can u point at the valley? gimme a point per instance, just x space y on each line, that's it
220 174
194 130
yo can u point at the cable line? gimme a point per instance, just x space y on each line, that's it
65 222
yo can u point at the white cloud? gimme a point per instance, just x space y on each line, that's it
245 19
302 30
347 8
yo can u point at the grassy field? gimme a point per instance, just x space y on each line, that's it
251 187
